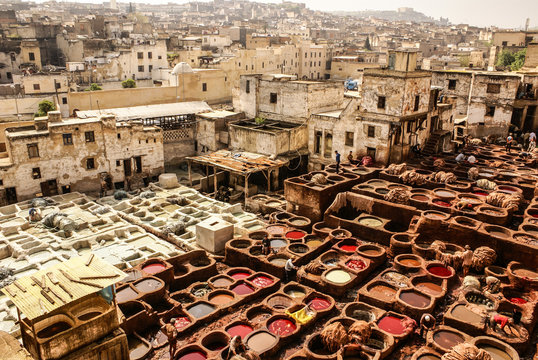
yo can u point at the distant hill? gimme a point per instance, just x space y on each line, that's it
402 14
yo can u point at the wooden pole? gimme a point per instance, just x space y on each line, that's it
269 180
246 189
189 163
215 180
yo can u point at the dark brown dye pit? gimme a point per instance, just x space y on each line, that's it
53 329
447 339
89 315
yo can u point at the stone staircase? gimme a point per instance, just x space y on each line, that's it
432 144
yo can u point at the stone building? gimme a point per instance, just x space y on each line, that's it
483 100
59 156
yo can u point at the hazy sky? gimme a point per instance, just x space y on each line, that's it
503 13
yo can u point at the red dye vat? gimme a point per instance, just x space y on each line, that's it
348 247
282 327
153 268
356 264
195 355
534 215
181 322
262 281
441 203
439 270
318 303
239 330
517 300
391 324
240 275
481 193
242 289
295 235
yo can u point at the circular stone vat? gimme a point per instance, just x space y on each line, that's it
281 326
221 297
125 294
370 250
392 325
239 274
370 221
201 290
415 299
200 309
356 264
330 258
337 276
339 233
258 235
497 231
295 234
298 248
348 245
319 303
183 298
360 312
313 241
472 199
382 291
240 243
258 314
315 346
262 281
395 278
279 302
154 268
444 194
462 313
242 289
200 262
525 238
446 339
62 324
239 329
278 243
276 230
497 349
299 221
191 354
221 281
295 291
479 299
278 260
433 286
408 261
261 341
215 341
440 271
435 215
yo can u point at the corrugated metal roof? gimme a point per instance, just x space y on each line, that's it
49 289
149 111
238 161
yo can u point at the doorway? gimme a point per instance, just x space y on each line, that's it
49 188
11 195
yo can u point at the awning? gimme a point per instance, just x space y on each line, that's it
49 289
241 162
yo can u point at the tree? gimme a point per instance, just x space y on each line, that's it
128 84
519 60
513 61
367 45
44 107
94 87
464 60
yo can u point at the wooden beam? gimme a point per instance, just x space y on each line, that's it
246 189
189 164
215 180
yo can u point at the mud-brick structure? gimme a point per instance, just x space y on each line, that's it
68 311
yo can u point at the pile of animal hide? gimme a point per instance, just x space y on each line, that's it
398 196
506 201
439 163
319 179
466 351
486 184
360 332
443 177
396 169
472 174
483 256
334 336
411 177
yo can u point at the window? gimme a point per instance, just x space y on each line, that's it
66 189
349 138
263 65
317 142
68 139
150 67
138 164
33 151
31 56
150 55
36 173
371 152
1 182
417 102
57 85
505 43
118 135
64 100
90 163
140 68
490 111
248 87
8 75
37 87
118 162
204 87
380 102
328 151
140 55
90 136
452 84
371 131
159 57
273 98
493 88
